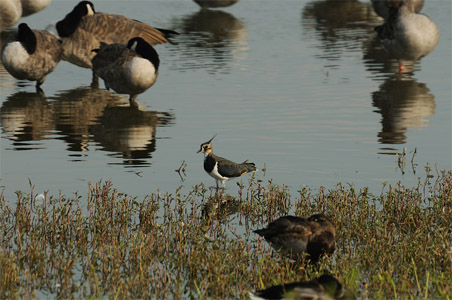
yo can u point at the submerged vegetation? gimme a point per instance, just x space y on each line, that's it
198 245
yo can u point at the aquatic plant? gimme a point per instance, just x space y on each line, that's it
200 244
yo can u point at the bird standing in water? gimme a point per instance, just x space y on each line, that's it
221 168
31 54
127 69
84 29
407 35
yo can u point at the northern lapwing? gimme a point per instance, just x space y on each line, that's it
31 54
83 29
295 236
127 69
326 287
407 35
381 7
221 168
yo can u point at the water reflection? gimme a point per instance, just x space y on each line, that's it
129 132
80 117
77 111
339 24
26 117
210 39
403 103
378 61
215 3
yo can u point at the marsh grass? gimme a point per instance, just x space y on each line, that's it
396 245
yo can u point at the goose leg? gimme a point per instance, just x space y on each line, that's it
39 82
95 81
401 67
132 101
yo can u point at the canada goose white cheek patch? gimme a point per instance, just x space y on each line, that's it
90 10
14 55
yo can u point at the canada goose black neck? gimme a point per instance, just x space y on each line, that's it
69 24
27 38
148 52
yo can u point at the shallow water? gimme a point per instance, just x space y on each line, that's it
301 88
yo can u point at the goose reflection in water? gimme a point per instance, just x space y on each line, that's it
403 103
26 117
77 110
129 132
376 60
339 24
75 116
209 39
205 4
33 116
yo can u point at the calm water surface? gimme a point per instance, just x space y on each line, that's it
300 87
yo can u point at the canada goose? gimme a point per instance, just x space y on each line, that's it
381 7
326 287
221 168
10 13
30 7
407 35
83 29
295 236
31 54
127 69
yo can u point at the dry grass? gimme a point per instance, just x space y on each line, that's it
171 246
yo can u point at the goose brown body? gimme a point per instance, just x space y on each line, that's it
83 30
127 69
295 236
31 54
